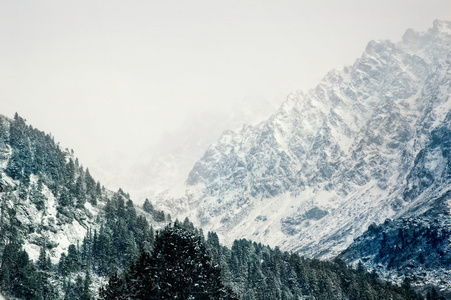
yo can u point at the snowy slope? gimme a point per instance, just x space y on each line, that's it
416 243
331 161
53 226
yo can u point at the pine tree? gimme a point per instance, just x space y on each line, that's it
178 268
73 262
62 267
43 262
86 293
115 290
18 275
37 196
148 207
80 191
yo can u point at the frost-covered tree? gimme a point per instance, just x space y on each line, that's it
179 267
147 206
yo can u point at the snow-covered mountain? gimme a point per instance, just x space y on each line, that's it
332 160
416 244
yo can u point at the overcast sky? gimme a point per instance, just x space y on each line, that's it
107 76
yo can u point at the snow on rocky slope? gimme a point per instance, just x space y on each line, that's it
330 161
47 224
416 243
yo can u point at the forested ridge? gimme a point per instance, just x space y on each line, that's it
37 171
248 271
122 253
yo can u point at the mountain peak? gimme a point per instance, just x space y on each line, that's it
441 27
379 46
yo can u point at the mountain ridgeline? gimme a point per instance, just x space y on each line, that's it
343 149
368 144
64 236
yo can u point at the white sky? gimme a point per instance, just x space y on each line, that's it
107 76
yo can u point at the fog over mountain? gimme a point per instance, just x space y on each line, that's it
167 164
112 80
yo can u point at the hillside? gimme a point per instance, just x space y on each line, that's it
64 236
59 227
416 243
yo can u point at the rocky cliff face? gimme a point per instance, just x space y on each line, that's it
27 204
416 243
333 160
